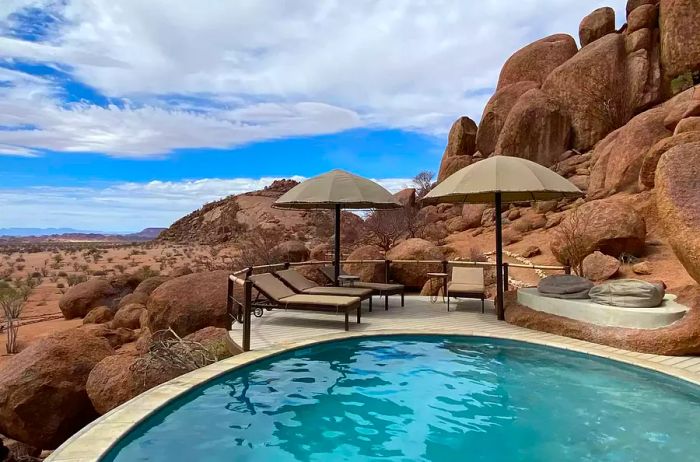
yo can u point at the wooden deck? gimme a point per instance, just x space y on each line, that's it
279 328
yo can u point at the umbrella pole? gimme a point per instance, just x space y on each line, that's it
336 263
499 260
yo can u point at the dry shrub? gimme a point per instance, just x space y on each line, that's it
570 233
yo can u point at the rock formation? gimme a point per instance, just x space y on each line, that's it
537 60
599 23
461 145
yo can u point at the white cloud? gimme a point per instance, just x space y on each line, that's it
220 74
126 207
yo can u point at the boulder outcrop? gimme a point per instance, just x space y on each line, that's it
369 272
610 226
83 297
599 23
677 198
174 304
292 251
600 267
42 389
495 114
679 20
537 129
537 60
409 274
618 159
128 316
647 173
98 315
461 145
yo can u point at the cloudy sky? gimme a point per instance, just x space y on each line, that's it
118 115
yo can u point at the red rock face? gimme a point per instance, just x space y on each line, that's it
368 272
414 275
42 389
128 316
461 145
679 21
619 157
174 304
83 297
644 17
588 86
677 201
680 338
599 23
536 128
600 267
495 114
610 225
535 61
647 172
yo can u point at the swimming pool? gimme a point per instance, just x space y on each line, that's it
430 398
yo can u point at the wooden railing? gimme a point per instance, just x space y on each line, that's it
241 278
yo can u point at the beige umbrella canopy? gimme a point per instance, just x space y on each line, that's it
337 190
498 180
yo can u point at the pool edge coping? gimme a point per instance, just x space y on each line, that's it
95 440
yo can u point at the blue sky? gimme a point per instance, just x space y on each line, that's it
122 115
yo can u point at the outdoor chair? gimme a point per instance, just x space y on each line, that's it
283 297
383 290
300 284
466 283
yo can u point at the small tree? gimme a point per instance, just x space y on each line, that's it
385 227
258 247
423 183
570 234
12 303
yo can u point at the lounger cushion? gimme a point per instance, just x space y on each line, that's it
378 286
296 280
271 286
471 276
325 300
465 288
342 291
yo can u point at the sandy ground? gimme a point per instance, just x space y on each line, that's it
41 314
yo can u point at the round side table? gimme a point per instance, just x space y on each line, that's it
347 279
441 278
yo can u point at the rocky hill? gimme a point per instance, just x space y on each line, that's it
619 117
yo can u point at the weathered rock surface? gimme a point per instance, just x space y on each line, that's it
213 339
409 274
600 267
647 172
98 315
174 304
618 159
292 251
495 114
595 103
461 145
688 125
83 297
610 225
599 23
644 17
677 198
680 338
472 214
537 60
42 389
679 20
115 336
128 316
537 129
146 287
116 379
370 272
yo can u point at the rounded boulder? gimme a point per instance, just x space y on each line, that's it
414 274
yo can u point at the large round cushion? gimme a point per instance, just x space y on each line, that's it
628 293
565 286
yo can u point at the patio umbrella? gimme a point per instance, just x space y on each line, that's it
499 180
337 190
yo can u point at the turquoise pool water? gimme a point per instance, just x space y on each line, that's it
426 399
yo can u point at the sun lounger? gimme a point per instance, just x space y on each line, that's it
466 283
383 290
300 284
284 297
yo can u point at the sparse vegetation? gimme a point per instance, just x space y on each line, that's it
570 233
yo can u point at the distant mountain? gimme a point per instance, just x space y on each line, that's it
26 232
75 234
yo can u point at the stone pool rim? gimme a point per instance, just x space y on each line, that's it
93 442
